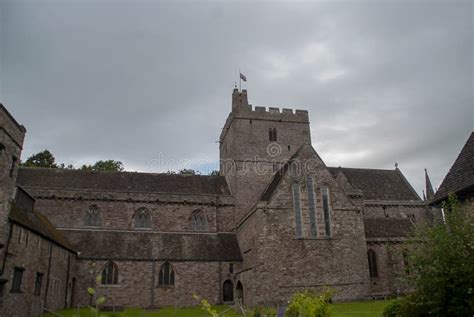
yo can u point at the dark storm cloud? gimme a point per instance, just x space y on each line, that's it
143 81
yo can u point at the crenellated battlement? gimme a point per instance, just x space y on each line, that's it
275 110
242 109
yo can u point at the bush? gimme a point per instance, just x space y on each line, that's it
402 307
441 259
308 304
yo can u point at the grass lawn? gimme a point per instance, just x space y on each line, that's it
349 309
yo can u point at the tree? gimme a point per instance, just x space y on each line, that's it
108 165
41 159
441 259
188 172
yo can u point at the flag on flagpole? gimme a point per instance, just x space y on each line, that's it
242 76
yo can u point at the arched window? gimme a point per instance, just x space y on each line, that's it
372 257
297 207
142 219
272 134
326 210
166 277
198 221
110 274
228 291
92 218
311 206
240 292
406 263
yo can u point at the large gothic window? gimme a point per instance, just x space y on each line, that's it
311 206
198 221
372 257
166 277
110 274
326 210
142 219
297 207
92 218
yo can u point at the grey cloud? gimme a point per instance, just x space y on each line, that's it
383 81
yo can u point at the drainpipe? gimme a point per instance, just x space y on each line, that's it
67 280
47 276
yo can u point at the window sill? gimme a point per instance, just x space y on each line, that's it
16 292
317 238
110 285
165 286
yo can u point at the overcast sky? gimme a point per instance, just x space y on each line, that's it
140 81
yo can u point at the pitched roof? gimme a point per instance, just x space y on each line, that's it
461 175
387 227
122 181
276 179
127 245
38 223
378 184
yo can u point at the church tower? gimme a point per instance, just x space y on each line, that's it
254 144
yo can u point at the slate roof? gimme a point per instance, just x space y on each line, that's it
38 223
378 184
387 227
127 245
122 181
461 175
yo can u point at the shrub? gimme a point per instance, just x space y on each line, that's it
403 307
441 259
308 304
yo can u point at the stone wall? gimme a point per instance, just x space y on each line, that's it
285 263
11 142
34 254
417 211
248 158
138 283
172 213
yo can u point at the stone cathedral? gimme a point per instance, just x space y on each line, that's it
275 221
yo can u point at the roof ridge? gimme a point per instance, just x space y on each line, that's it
363 168
111 172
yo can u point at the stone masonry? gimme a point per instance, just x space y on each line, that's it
276 221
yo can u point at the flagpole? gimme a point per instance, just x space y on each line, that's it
240 81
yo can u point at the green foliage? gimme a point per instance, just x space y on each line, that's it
99 300
91 291
404 307
41 159
204 304
185 171
441 259
343 309
214 173
263 311
108 165
308 304
47 159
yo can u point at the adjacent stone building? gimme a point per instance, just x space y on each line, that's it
37 262
460 178
275 221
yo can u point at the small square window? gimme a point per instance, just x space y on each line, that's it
231 267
